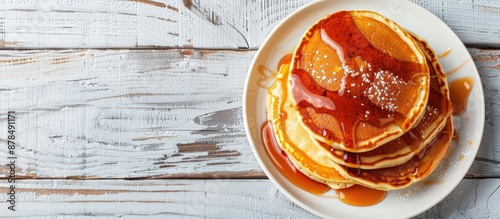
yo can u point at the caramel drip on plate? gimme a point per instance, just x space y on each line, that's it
455 138
453 71
459 94
266 75
355 195
280 159
284 166
358 195
431 182
445 53
286 59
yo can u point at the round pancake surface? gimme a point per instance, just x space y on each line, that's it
358 81
400 150
295 141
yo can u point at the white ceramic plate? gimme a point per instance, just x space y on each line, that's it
399 203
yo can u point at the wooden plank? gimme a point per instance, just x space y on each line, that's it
487 161
146 198
146 113
115 113
192 23
473 198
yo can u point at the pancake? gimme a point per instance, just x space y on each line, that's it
400 150
414 170
295 141
358 81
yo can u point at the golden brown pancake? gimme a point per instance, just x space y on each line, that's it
400 150
295 141
358 81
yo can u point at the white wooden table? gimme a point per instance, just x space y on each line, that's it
131 108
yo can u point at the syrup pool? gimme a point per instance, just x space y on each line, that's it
355 195
459 94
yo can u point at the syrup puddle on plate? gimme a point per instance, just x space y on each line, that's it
459 94
355 195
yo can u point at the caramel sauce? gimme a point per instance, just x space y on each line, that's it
445 53
357 195
459 94
280 160
266 74
352 105
432 154
461 157
458 68
452 150
437 105
455 138
431 182
286 59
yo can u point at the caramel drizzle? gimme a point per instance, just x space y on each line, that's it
266 75
460 90
352 115
445 53
453 71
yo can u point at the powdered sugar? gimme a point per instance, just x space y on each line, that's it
384 91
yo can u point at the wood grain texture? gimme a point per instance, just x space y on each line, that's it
159 114
193 23
472 198
122 113
152 199
487 162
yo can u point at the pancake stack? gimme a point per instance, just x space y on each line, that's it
362 101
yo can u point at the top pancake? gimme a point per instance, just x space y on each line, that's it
400 150
358 81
